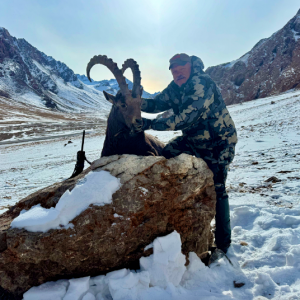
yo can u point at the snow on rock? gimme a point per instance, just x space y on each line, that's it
145 191
180 197
96 188
244 59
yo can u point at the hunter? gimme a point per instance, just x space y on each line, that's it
207 128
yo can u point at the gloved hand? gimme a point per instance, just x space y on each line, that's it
146 124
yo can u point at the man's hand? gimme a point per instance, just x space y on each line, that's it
146 124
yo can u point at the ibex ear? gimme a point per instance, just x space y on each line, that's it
141 91
109 97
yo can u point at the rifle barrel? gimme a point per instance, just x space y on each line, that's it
83 134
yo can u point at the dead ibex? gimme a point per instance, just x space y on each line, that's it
124 134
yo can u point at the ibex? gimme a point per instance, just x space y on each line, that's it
124 134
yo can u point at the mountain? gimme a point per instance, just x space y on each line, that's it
41 98
30 76
271 67
111 86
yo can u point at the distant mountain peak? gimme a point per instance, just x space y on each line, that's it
4 31
111 86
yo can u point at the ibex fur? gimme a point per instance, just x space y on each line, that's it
124 134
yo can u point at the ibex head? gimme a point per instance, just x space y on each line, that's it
127 103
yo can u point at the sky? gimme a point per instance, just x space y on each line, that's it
149 31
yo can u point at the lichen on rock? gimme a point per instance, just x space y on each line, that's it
157 196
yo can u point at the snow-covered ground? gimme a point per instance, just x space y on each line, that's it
20 122
265 212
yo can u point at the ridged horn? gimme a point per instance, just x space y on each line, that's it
113 67
132 64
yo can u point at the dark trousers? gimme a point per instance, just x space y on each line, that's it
218 156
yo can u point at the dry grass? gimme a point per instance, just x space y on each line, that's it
20 121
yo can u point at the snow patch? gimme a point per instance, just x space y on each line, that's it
166 265
244 59
293 257
95 188
296 35
47 291
163 275
43 69
144 191
77 288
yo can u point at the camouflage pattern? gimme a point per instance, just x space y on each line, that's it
207 132
199 109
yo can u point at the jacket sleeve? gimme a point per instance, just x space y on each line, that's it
196 106
160 103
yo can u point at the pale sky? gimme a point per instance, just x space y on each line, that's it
149 31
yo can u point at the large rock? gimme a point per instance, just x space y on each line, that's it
157 196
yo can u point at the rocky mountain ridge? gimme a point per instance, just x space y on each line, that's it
271 67
30 76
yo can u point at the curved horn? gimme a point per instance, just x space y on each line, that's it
113 67
132 64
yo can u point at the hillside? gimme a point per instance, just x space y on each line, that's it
271 67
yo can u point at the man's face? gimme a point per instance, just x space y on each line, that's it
181 73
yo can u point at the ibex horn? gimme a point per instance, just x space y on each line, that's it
132 64
113 67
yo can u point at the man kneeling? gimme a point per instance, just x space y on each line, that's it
207 128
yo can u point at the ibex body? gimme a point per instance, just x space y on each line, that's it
124 134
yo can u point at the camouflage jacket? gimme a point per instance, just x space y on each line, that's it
199 109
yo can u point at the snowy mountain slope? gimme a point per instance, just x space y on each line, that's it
23 122
265 211
111 86
271 67
28 75
42 98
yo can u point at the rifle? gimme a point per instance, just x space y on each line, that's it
80 159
